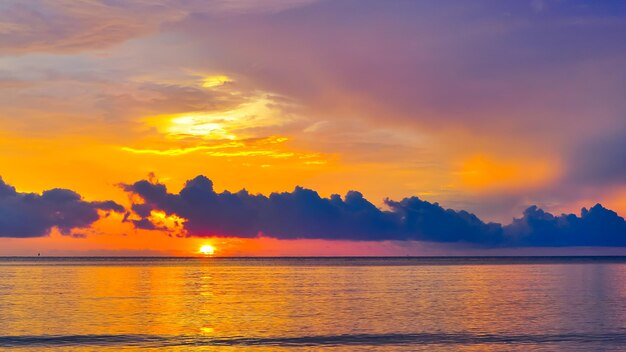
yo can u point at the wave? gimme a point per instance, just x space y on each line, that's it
156 341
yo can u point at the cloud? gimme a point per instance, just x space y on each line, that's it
454 77
421 220
428 62
600 160
68 26
304 214
597 226
34 215
463 79
157 98
298 214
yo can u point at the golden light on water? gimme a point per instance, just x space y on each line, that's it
207 249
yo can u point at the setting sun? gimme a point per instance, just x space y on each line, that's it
207 249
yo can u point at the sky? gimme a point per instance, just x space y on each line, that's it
303 127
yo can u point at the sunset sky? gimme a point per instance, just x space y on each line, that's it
149 110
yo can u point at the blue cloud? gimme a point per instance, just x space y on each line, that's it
597 226
34 215
303 214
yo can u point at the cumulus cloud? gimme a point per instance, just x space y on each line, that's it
34 215
304 214
596 226
298 214
421 220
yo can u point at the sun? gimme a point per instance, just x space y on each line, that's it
207 249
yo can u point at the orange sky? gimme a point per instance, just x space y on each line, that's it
92 96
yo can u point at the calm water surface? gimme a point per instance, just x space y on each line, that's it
364 304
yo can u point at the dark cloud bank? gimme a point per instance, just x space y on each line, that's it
33 215
304 214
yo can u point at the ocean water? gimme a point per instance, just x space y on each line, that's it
313 304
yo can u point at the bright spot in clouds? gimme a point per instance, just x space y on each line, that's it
235 123
199 125
215 81
207 249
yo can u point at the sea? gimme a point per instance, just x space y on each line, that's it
313 304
